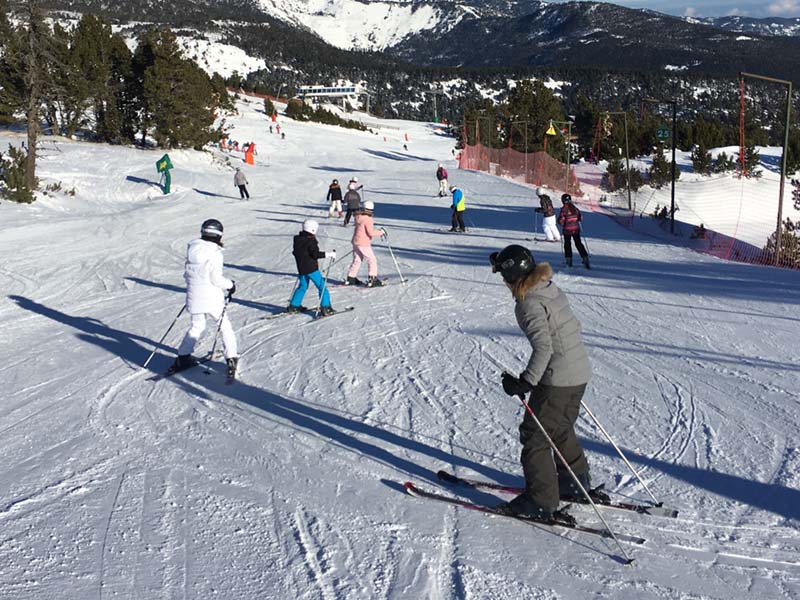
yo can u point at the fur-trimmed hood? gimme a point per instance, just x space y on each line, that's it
542 273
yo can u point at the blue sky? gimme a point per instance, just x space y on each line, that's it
718 8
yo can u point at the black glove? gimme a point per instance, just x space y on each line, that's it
232 290
515 386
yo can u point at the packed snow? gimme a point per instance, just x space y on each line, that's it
288 483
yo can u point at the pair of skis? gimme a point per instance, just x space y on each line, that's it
307 311
230 376
449 478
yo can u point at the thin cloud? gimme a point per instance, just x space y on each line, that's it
784 8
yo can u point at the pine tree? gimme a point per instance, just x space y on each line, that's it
752 160
701 159
25 76
723 163
171 97
660 173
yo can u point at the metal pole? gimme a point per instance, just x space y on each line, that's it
216 333
388 245
674 166
526 152
163 337
324 288
778 239
583 490
783 159
611 441
628 163
569 154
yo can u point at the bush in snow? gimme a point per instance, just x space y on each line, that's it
723 163
616 177
660 172
701 159
13 170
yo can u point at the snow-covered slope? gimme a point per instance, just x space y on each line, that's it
287 484
355 25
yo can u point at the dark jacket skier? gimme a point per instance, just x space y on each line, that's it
353 200
570 220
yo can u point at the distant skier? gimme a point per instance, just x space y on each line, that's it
556 376
240 181
335 198
548 215
441 175
306 255
570 220
362 247
353 200
458 207
205 296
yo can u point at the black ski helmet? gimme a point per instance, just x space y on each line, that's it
512 262
566 199
211 228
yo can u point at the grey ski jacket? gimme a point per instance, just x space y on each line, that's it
543 313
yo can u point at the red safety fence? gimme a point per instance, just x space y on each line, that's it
535 168
719 215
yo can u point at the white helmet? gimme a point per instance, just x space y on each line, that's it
354 180
542 191
311 226
369 205
440 165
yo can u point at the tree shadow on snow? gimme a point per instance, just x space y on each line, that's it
130 347
262 306
367 440
212 194
339 169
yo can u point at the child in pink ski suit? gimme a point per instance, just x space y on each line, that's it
362 247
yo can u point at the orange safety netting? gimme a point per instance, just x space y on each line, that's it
535 168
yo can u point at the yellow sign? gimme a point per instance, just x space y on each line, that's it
551 130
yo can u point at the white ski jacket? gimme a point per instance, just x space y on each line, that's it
205 284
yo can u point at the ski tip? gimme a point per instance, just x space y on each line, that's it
410 487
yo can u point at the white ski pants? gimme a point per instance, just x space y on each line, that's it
550 229
443 191
335 209
199 326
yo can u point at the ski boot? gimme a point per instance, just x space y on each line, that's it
585 260
292 309
522 506
233 364
569 491
568 261
353 281
374 282
326 311
183 362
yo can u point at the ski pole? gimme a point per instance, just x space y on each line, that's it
611 441
556 451
216 333
342 257
163 337
388 245
324 288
